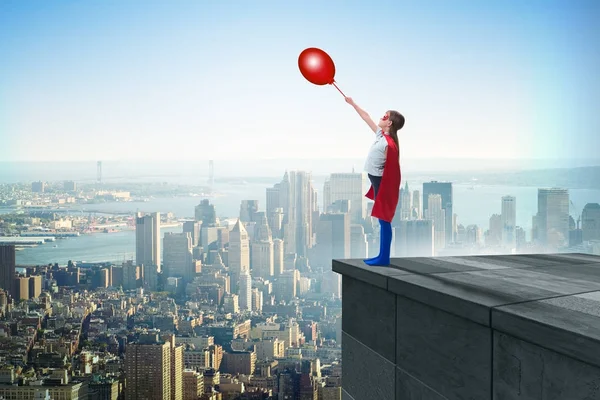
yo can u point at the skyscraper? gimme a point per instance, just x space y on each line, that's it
359 246
590 222
347 186
436 213
206 213
416 200
326 194
239 252
147 240
493 236
553 217
193 228
415 238
333 238
333 242
148 369
404 202
274 198
245 299
176 369
444 189
278 257
177 257
473 235
299 203
275 220
509 221
262 256
7 268
248 210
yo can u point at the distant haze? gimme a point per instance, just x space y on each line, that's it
197 171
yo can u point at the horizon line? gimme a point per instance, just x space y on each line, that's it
487 159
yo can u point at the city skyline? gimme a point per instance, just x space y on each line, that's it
493 218
255 298
466 75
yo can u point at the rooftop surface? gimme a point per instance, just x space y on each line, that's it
476 327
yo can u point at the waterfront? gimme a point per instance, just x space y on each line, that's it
95 247
472 204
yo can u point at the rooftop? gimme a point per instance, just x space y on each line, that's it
479 327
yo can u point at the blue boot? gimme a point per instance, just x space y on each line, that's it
385 244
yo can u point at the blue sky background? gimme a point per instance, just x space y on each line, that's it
182 80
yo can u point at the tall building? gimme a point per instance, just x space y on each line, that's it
248 210
436 213
333 239
308 387
359 246
509 221
285 287
239 252
147 240
333 242
7 268
415 238
327 194
257 300
131 275
275 219
553 217
590 222
493 237
231 303
473 235
217 236
444 189
176 369
298 198
404 203
245 298
148 369
35 286
193 384
347 186
177 256
274 198
206 213
21 288
521 237
262 256
278 257
416 205
193 228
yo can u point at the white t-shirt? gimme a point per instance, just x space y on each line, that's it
376 157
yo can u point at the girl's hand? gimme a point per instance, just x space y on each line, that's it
350 101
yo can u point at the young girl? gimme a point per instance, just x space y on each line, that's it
383 169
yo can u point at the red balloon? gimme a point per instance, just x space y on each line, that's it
316 66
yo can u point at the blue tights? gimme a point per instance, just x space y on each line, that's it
385 244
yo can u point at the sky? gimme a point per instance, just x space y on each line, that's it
186 80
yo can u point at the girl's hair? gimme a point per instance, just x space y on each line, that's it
397 120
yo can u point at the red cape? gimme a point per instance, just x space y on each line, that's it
389 188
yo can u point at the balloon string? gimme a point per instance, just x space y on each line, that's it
333 83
